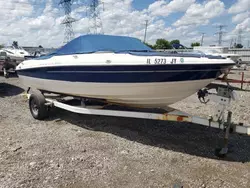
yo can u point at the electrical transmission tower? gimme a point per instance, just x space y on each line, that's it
231 43
95 22
239 36
202 37
145 34
68 20
220 33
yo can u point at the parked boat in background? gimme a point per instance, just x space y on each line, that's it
16 53
222 51
6 64
38 52
217 50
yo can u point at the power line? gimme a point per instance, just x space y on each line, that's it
68 20
145 34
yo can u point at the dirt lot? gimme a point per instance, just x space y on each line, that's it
71 150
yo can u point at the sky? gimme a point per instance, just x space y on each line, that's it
38 22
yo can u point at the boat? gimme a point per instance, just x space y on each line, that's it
3 57
222 51
218 50
121 70
16 53
38 53
6 64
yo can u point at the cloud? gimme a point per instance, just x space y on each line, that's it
240 17
162 8
28 30
12 9
124 20
239 6
200 14
41 24
244 25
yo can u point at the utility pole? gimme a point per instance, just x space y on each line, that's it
68 20
220 33
202 36
145 34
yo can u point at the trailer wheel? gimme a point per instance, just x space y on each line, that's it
37 106
220 152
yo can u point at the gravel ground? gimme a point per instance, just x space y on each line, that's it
72 150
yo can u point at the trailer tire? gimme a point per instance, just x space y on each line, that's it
37 106
218 154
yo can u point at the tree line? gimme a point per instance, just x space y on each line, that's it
165 44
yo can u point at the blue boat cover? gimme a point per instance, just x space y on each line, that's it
94 43
117 44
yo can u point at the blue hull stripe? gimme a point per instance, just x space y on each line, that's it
128 74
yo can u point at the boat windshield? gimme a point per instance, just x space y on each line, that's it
20 48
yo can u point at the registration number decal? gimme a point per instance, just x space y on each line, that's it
159 61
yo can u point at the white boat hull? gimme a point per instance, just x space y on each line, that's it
134 94
121 70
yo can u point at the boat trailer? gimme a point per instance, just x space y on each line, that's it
40 104
241 81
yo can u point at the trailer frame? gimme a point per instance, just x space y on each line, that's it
223 98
